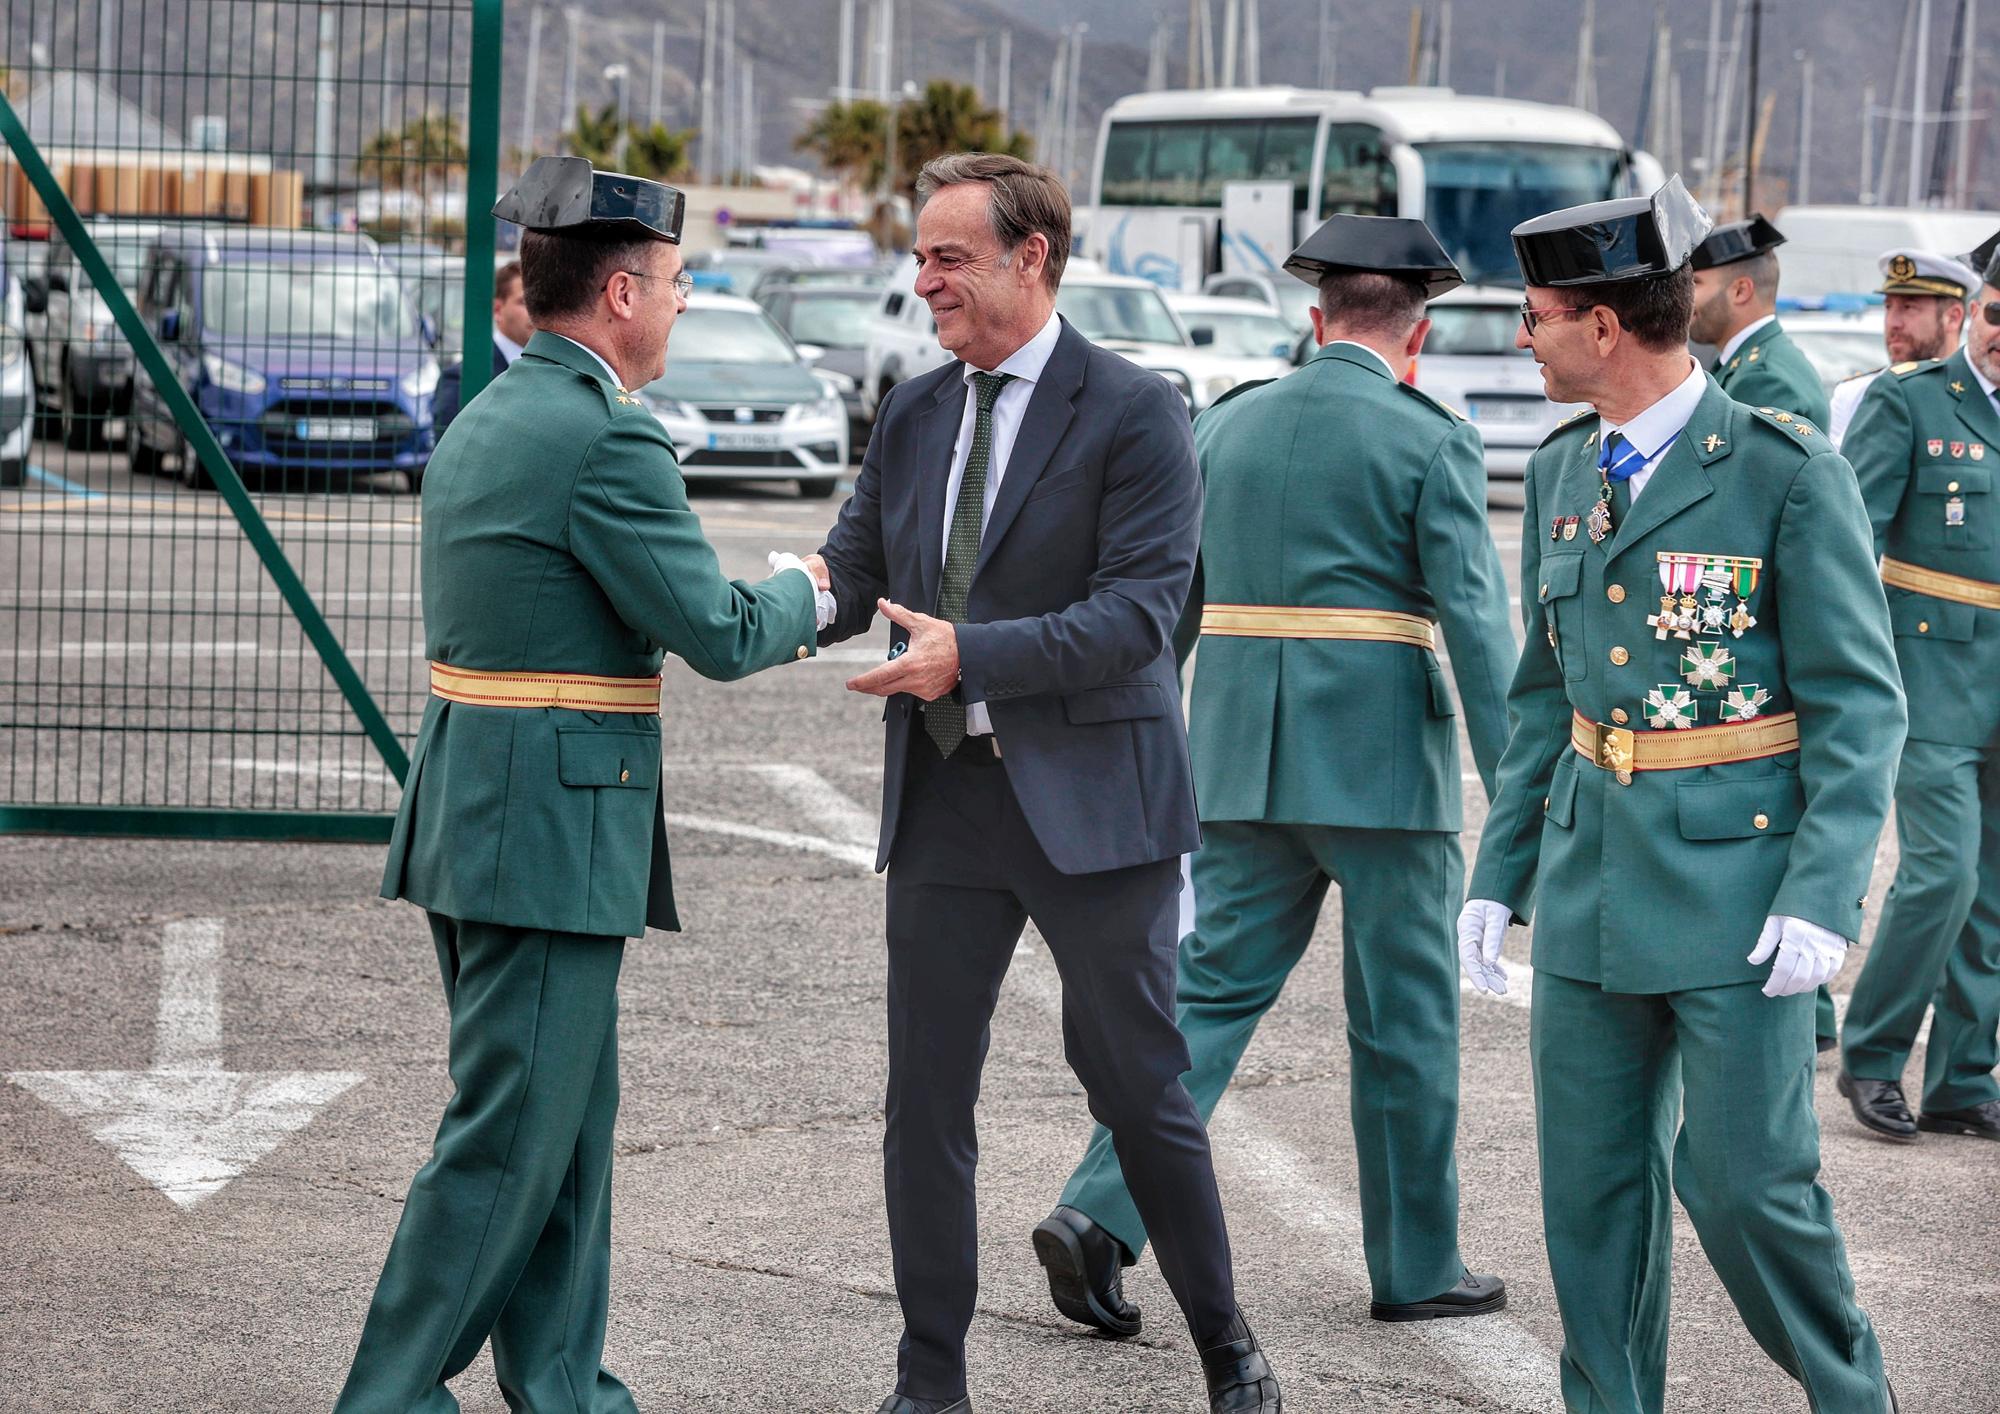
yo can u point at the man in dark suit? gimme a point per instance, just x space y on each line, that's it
512 328
1038 499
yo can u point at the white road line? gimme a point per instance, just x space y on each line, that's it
847 853
189 1033
145 595
819 798
313 769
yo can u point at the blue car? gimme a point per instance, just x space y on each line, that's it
302 350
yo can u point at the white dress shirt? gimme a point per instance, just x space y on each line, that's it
510 350
1742 336
1010 408
1652 430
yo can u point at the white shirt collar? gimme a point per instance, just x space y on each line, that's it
609 372
1652 429
1375 354
1743 336
510 350
1027 362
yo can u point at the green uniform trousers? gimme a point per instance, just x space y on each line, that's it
1611 1070
507 1230
1939 940
1258 889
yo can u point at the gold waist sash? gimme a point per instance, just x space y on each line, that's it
1939 585
580 692
1624 751
1274 621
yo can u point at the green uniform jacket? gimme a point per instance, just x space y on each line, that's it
557 538
1926 444
1338 487
1662 885
1769 371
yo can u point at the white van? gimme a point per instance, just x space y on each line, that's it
1832 250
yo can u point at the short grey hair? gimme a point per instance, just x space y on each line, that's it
1023 199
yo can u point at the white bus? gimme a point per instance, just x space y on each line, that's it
1474 168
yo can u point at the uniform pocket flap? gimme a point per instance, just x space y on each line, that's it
1441 704
1955 480
1561 804
1117 702
596 758
1729 810
1920 616
1561 574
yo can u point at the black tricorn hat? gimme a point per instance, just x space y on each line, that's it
1982 259
1631 238
1739 240
567 196
1382 245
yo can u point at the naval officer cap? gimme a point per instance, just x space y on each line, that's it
1909 271
1631 238
1376 245
567 196
1738 240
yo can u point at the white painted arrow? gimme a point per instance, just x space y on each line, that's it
187 1126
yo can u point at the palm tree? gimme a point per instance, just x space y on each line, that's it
594 135
948 117
428 147
849 139
657 151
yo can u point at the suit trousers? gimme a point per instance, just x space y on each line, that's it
507 1230
965 876
1938 943
1611 1070
1258 891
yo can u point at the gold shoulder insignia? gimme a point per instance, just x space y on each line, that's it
1869 373
1956 386
1905 367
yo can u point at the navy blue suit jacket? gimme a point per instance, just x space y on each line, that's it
450 390
1083 570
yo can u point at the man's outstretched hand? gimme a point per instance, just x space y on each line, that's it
928 668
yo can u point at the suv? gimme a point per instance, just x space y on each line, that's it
300 348
81 363
1469 362
1281 293
902 340
17 428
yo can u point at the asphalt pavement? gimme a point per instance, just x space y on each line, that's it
227 1061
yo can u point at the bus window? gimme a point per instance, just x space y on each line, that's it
1475 193
1287 155
1128 159
1357 179
1176 179
1232 157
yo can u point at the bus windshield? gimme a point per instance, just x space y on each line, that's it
1475 193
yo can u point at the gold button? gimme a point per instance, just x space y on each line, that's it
1615 593
1618 715
1762 821
1924 627
804 652
1952 487
624 775
1545 591
1620 657
1545 802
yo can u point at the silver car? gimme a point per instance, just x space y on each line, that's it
1469 362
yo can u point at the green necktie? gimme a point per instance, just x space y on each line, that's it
944 719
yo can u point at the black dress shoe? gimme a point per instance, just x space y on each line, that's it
1239 1377
1085 1281
1823 1044
1880 1106
904 1404
1981 1121
1473 1296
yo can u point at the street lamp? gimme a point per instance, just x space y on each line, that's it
615 75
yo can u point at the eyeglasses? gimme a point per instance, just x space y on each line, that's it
1991 311
1530 317
683 283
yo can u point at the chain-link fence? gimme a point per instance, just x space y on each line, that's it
246 248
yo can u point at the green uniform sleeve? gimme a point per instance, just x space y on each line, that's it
1785 382
1878 445
1538 715
1840 668
1462 569
632 529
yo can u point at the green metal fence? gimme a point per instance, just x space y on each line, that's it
245 241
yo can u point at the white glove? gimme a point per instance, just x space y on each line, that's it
1808 955
825 607
1482 927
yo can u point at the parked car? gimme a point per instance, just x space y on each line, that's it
735 270
829 323
1289 297
1470 363
870 277
902 340
80 361
742 404
1245 330
1131 316
1838 344
300 348
436 282
17 394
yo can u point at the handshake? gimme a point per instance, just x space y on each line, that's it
925 666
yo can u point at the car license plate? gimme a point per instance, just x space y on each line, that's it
1515 412
336 429
744 441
